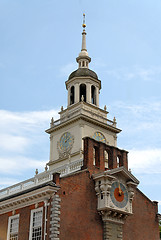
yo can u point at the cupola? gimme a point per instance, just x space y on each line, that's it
83 84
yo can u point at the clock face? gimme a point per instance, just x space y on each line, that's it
99 137
119 194
66 142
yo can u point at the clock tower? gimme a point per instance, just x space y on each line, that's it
82 118
88 191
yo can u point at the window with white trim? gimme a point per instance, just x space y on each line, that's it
36 224
13 226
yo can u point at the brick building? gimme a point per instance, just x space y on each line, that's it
88 191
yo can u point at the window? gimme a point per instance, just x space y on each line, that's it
72 95
118 161
36 224
106 159
96 161
83 92
13 226
93 94
94 156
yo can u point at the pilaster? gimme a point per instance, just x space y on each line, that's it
88 92
76 100
97 97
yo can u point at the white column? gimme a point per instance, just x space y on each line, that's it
76 100
88 92
68 96
97 96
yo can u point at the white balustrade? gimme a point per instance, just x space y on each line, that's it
40 178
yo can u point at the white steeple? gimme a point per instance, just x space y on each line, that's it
83 59
81 118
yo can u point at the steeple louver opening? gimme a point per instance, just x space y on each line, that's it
82 91
72 95
93 94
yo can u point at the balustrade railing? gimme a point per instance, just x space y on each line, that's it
40 178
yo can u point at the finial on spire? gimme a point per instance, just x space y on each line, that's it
84 25
83 59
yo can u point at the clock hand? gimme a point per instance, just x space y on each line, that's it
67 139
120 191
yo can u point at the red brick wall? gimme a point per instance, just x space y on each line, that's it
143 224
81 221
24 222
3 226
113 154
79 217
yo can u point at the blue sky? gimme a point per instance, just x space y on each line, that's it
39 42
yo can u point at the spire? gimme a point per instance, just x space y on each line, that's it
84 35
83 59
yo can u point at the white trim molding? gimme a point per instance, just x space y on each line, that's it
10 227
26 199
38 222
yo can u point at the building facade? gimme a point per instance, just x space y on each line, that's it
87 191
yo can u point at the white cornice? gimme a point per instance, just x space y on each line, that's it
111 174
126 173
85 118
26 199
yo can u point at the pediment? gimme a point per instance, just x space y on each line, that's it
128 176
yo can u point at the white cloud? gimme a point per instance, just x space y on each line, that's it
13 143
18 164
35 117
141 124
145 161
152 73
138 118
23 142
19 122
6 181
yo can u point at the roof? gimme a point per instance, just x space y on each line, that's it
83 72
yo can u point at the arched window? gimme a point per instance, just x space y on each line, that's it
72 95
82 92
94 156
106 159
96 161
93 94
118 161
